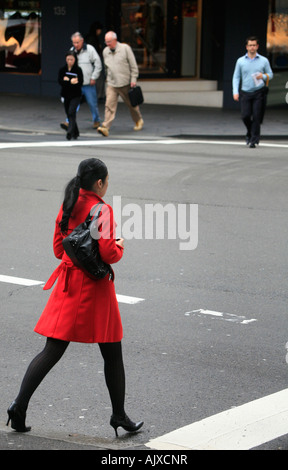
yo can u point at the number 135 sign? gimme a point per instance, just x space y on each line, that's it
58 11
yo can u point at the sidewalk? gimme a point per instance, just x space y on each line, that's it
22 113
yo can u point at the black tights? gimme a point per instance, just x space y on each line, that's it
54 350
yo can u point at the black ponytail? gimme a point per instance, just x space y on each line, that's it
70 198
89 171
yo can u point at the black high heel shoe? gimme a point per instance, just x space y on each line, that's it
125 423
17 416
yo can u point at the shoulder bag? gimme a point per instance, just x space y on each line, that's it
83 249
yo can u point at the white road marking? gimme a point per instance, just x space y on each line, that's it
85 143
96 142
224 316
125 299
242 428
19 280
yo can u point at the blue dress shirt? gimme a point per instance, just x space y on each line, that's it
245 68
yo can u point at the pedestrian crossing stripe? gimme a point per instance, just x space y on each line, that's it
240 428
126 299
110 142
19 281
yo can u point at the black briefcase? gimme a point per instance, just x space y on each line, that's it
136 96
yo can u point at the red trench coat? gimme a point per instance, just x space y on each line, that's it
79 308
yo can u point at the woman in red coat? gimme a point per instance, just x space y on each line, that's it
81 309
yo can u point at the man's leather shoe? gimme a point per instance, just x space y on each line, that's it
252 146
96 124
64 125
103 130
139 125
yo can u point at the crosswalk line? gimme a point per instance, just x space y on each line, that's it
240 428
126 299
19 280
109 142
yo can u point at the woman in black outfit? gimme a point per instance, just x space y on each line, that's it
70 77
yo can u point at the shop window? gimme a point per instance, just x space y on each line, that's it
277 34
20 36
143 27
189 38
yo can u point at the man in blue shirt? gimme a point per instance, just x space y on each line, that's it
253 71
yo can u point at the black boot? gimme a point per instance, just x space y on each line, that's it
125 423
17 416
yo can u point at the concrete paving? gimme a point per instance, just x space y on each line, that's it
22 113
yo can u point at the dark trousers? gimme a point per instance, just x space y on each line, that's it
71 105
252 113
52 353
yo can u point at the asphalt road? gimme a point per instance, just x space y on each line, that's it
211 331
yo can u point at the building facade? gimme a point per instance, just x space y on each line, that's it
171 39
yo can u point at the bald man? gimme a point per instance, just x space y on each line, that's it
122 73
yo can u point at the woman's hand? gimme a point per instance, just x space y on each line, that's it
74 80
120 242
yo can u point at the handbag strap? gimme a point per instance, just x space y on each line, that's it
89 217
96 215
90 220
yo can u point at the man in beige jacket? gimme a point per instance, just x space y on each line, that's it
122 73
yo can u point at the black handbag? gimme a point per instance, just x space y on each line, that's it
266 86
83 249
135 96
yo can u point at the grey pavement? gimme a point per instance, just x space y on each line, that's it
11 440
42 116
22 113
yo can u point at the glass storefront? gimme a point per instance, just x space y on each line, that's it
20 36
277 34
145 27
171 39
190 15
